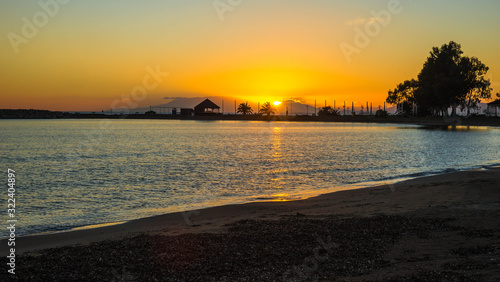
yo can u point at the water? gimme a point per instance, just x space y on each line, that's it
73 173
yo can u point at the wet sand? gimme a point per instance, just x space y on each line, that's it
444 227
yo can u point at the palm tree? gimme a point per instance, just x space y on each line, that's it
244 108
267 109
328 111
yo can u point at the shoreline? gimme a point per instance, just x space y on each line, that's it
185 220
440 227
258 199
298 196
391 119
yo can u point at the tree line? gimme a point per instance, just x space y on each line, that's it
269 109
266 109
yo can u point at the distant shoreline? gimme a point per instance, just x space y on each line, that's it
425 121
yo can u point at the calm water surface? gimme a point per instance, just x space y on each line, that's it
73 173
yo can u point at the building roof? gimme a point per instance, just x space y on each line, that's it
495 103
207 104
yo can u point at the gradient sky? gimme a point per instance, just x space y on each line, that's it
92 53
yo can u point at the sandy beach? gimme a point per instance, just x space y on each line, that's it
437 228
250 140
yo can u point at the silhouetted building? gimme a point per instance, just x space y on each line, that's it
493 107
206 107
187 112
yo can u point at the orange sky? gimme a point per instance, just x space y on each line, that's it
89 55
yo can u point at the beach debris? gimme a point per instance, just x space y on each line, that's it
289 249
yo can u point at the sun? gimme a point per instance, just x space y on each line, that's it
276 103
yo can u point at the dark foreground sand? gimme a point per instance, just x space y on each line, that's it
439 228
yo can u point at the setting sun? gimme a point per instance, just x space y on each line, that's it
229 140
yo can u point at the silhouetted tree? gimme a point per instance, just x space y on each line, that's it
267 109
441 81
478 87
381 113
404 93
244 108
446 80
328 111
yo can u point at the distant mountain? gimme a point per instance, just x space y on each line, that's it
227 105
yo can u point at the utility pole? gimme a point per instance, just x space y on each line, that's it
314 106
344 108
352 109
234 106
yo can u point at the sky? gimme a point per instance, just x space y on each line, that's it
75 55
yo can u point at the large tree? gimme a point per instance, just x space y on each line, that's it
441 80
446 80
